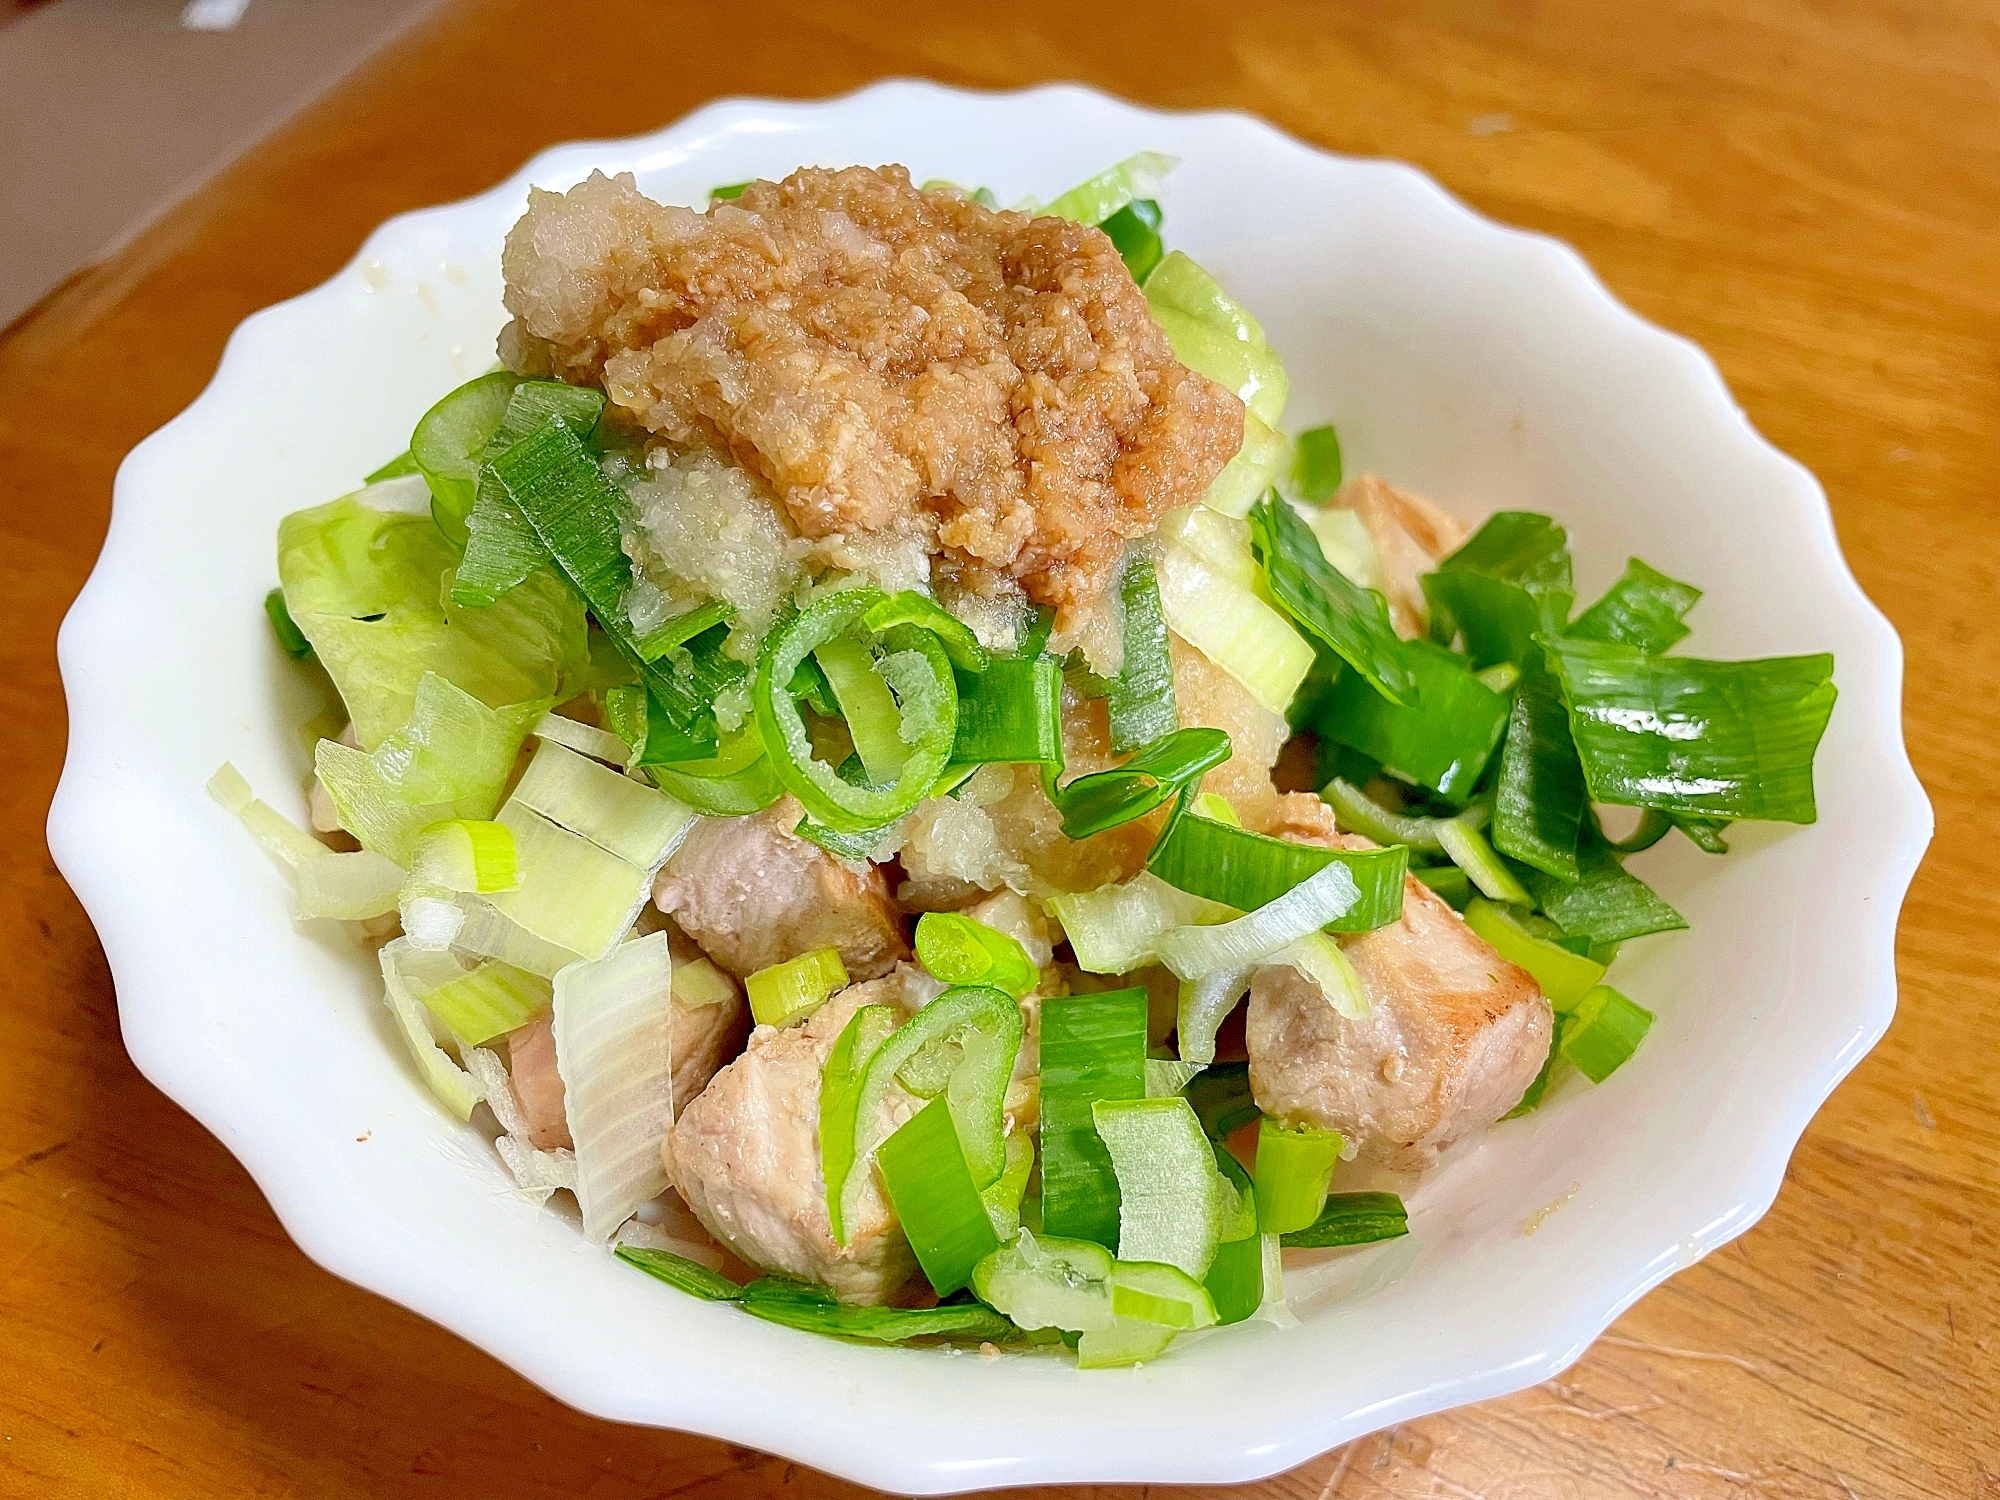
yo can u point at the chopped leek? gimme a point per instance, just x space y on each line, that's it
1127 1342
1518 547
813 1310
1643 609
873 719
1010 714
453 748
1312 904
958 950
467 855
1345 542
1704 833
1204 1003
598 744
1166 1076
618 814
403 463
1141 701
1096 199
1469 850
1540 801
678 1271
572 893
346 887
1135 230
1215 335
1320 959
449 1084
1235 1281
1093 1048
1116 928
1605 903
1357 812
1294 1165
910 608
923 1168
1349 619
729 192
1045 1281
985 1024
1448 883
839 1093
1003 1196
370 811
1216 809
451 438
1602 1032
1233 628
614 1050
1565 977
1153 1292
1352 1219
682 628
489 1001
1248 871
1441 737
1255 468
289 846
485 933
1709 738
1316 467
1105 799
734 782
927 697
701 983
786 993
1173 1201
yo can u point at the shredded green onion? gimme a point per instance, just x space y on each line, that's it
786 993
1357 812
812 1309
737 780
839 1094
1105 799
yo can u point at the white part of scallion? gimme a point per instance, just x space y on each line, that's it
1116 928
614 1050
1192 952
1233 628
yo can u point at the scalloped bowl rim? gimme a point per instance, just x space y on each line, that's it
111 787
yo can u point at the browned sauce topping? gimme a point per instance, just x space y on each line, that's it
889 361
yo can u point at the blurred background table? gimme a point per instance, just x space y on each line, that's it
1812 192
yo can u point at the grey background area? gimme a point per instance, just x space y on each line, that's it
111 111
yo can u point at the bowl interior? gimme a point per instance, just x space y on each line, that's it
1482 367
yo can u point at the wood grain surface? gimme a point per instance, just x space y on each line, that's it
1810 191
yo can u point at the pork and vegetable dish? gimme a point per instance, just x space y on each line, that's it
881 767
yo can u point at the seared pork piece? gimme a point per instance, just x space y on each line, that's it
704 1037
745 1156
1453 1036
752 894
893 363
1410 535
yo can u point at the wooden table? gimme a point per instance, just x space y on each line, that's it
1813 193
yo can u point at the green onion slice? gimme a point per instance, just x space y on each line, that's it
1362 814
1135 230
1096 199
1294 1165
839 1093
984 1024
1605 903
1565 977
923 1168
1235 1281
1448 883
813 1310
1471 853
912 608
1322 898
1093 1048
1602 1032
1047 1281
1540 801
1351 620
735 781
489 1001
1643 609
1105 799
1712 739
1248 870
1010 714
958 950
927 701
1141 700
1174 1202
1316 464
786 993
1352 1219
1152 1292
1442 737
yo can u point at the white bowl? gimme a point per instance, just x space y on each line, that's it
1482 366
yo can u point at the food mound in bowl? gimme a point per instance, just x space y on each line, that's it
830 731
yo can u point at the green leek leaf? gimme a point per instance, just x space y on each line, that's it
1351 620
1540 801
1441 738
1141 700
1605 903
923 1168
1250 870
678 1271
1709 738
1352 1219
1093 1048
1643 609
1316 464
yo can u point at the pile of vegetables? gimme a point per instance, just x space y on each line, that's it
480 580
